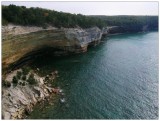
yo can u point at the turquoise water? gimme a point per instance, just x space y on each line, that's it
117 79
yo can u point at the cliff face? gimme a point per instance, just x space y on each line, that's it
20 41
84 37
126 29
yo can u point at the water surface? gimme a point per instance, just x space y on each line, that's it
117 79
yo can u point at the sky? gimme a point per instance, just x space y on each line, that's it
95 8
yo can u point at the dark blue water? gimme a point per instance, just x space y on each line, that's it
117 79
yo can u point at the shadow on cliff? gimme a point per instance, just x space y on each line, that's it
48 53
31 56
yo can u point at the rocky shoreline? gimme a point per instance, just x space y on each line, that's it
22 41
20 92
18 99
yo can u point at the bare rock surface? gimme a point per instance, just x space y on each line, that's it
12 29
21 41
17 100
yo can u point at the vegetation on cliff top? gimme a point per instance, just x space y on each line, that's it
131 23
43 17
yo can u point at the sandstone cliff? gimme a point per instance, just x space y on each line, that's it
19 41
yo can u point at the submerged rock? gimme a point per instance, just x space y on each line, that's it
62 100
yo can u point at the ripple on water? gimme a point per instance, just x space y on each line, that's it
116 80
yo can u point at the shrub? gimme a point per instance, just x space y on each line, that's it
19 74
6 83
23 84
24 77
31 75
15 80
3 82
44 26
20 83
4 22
31 80
25 70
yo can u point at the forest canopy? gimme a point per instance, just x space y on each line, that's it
135 22
44 17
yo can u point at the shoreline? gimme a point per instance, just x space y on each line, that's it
129 33
28 96
19 99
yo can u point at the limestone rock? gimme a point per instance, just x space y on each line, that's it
41 81
6 115
22 99
65 40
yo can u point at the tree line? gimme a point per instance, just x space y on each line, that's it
44 17
131 23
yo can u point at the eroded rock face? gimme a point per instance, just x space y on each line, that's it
17 100
84 36
16 44
105 31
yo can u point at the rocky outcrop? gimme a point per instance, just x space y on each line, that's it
17 44
22 43
105 31
84 37
20 99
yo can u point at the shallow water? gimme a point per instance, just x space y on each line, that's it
117 79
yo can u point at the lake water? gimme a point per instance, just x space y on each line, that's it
117 79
